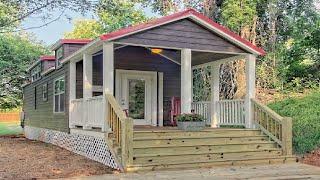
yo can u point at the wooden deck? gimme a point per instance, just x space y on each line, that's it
261 172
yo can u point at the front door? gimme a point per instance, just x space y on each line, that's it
136 94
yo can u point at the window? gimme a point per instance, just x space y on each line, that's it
45 92
59 94
59 55
35 73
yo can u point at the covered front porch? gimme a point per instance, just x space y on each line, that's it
144 82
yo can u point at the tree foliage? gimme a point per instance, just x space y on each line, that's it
13 12
85 29
116 14
17 52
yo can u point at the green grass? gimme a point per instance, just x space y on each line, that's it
10 128
305 112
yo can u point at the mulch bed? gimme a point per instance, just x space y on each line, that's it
312 158
21 158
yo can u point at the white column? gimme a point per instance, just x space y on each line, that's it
87 87
186 81
250 91
72 80
87 76
215 81
72 91
108 78
108 69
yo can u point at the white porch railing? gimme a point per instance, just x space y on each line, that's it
203 108
87 113
231 112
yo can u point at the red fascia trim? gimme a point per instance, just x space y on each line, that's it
47 58
75 41
228 32
131 29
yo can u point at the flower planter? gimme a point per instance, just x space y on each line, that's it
191 125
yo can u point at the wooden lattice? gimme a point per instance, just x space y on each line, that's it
94 148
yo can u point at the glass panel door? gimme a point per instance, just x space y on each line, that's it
137 94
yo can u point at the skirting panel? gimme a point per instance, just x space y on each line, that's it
94 148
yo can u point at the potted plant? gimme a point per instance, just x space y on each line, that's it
190 122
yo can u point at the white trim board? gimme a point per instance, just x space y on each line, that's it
151 76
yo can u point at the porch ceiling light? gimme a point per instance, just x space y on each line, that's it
156 50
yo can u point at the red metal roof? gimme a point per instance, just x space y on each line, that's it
47 58
75 41
176 16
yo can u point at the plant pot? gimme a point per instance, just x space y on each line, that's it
191 125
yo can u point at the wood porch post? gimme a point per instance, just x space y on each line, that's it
186 86
87 76
215 90
108 78
250 91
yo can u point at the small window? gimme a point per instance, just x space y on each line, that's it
59 95
59 56
45 92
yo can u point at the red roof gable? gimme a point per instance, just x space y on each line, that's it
70 41
180 15
47 58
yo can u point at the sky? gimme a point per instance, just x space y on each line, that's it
54 31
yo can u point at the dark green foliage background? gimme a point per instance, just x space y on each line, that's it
306 120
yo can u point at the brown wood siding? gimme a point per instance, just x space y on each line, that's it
182 34
68 49
47 64
141 59
79 79
43 116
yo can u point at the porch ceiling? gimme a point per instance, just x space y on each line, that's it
197 57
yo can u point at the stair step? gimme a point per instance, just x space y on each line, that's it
195 158
222 162
195 151
198 141
166 134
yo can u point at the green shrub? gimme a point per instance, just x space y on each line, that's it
190 117
306 120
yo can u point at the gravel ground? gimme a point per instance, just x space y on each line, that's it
312 158
21 158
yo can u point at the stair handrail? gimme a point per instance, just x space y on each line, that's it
121 128
278 128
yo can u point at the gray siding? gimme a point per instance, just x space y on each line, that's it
47 64
182 34
138 58
43 116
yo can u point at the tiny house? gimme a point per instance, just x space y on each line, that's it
114 99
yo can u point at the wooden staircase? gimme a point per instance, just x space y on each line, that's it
166 149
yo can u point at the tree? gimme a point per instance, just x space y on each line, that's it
116 14
13 12
17 52
85 29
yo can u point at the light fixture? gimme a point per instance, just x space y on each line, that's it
156 50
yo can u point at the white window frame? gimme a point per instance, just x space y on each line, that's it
59 56
59 93
35 73
45 92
